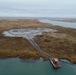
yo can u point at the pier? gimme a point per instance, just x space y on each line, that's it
29 34
54 61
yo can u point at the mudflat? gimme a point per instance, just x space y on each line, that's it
61 44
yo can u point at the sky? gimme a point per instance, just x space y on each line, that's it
37 8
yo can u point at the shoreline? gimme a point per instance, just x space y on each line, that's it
65 20
64 60
20 47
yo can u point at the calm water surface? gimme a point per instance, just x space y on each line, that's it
14 66
64 24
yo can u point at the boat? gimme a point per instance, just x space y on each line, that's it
55 62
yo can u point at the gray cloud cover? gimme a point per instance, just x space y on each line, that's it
38 8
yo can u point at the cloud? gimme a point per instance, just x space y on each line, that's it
37 7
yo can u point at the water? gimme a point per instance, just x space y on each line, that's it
64 24
14 66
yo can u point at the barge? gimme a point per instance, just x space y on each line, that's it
55 62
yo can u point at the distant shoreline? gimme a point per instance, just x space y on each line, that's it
40 17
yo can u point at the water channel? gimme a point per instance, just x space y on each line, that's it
59 23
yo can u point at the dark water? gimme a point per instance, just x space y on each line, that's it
64 24
14 66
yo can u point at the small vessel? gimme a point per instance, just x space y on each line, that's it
55 62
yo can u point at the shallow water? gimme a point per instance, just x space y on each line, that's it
64 24
14 66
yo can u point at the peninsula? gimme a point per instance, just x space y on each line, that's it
61 44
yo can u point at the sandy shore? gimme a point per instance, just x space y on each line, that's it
61 44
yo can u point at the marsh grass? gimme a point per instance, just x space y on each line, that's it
61 44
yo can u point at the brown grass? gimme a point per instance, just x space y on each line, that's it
58 44
61 44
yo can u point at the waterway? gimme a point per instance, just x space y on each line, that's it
15 66
64 24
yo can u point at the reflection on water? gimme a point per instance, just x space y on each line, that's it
14 66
